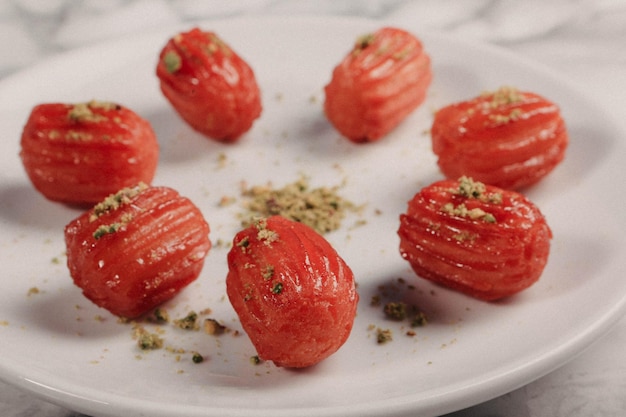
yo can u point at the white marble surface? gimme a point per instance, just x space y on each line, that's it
583 39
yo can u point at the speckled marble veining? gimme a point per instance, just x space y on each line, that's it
585 40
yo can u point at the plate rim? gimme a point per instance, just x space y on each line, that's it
541 366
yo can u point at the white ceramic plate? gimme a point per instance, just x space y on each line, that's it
59 346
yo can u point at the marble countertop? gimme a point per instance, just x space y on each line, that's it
585 40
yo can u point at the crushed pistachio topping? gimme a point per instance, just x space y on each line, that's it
159 315
54 134
151 340
78 136
243 244
82 112
268 272
375 300
400 55
502 119
320 208
189 322
172 61
277 288
400 311
255 360
115 201
226 201
391 297
495 198
489 218
264 234
213 327
419 319
465 236
32 291
145 339
383 335
216 44
503 96
395 310
106 229
222 160
462 211
363 42
470 189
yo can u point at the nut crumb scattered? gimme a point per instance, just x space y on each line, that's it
391 297
213 327
159 315
222 159
226 201
395 310
115 201
320 208
145 339
383 335
189 322
33 291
